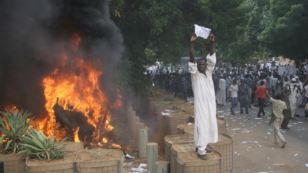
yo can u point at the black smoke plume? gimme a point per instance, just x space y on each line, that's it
34 32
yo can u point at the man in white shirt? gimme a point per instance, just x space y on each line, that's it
205 130
294 88
221 95
233 90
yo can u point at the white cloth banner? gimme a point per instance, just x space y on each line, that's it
201 31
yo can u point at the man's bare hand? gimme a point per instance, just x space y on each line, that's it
193 37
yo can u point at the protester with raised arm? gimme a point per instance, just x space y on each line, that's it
205 130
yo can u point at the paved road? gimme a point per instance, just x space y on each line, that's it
254 148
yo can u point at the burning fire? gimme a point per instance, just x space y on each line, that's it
78 92
76 104
75 86
116 146
76 137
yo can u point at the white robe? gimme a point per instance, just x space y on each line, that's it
292 100
205 130
221 95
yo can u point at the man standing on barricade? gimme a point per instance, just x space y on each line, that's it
206 130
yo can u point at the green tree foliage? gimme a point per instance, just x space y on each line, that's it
255 16
286 33
270 27
160 30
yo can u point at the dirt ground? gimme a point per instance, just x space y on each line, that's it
254 148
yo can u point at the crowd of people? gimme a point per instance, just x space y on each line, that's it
283 86
246 86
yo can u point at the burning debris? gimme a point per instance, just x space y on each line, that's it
74 121
76 103
58 65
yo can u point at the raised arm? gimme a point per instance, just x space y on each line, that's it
192 47
211 56
212 44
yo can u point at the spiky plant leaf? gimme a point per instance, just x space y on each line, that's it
36 145
13 125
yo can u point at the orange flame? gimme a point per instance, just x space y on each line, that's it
116 146
77 91
105 140
108 126
76 137
39 123
75 86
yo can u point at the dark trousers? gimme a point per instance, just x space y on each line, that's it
261 106
305 100
252 97
244 104
1 167
286 119
233 104
285 122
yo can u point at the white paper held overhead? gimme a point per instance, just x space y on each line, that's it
201 31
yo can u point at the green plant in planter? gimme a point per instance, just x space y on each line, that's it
36 145
1 141
13 126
